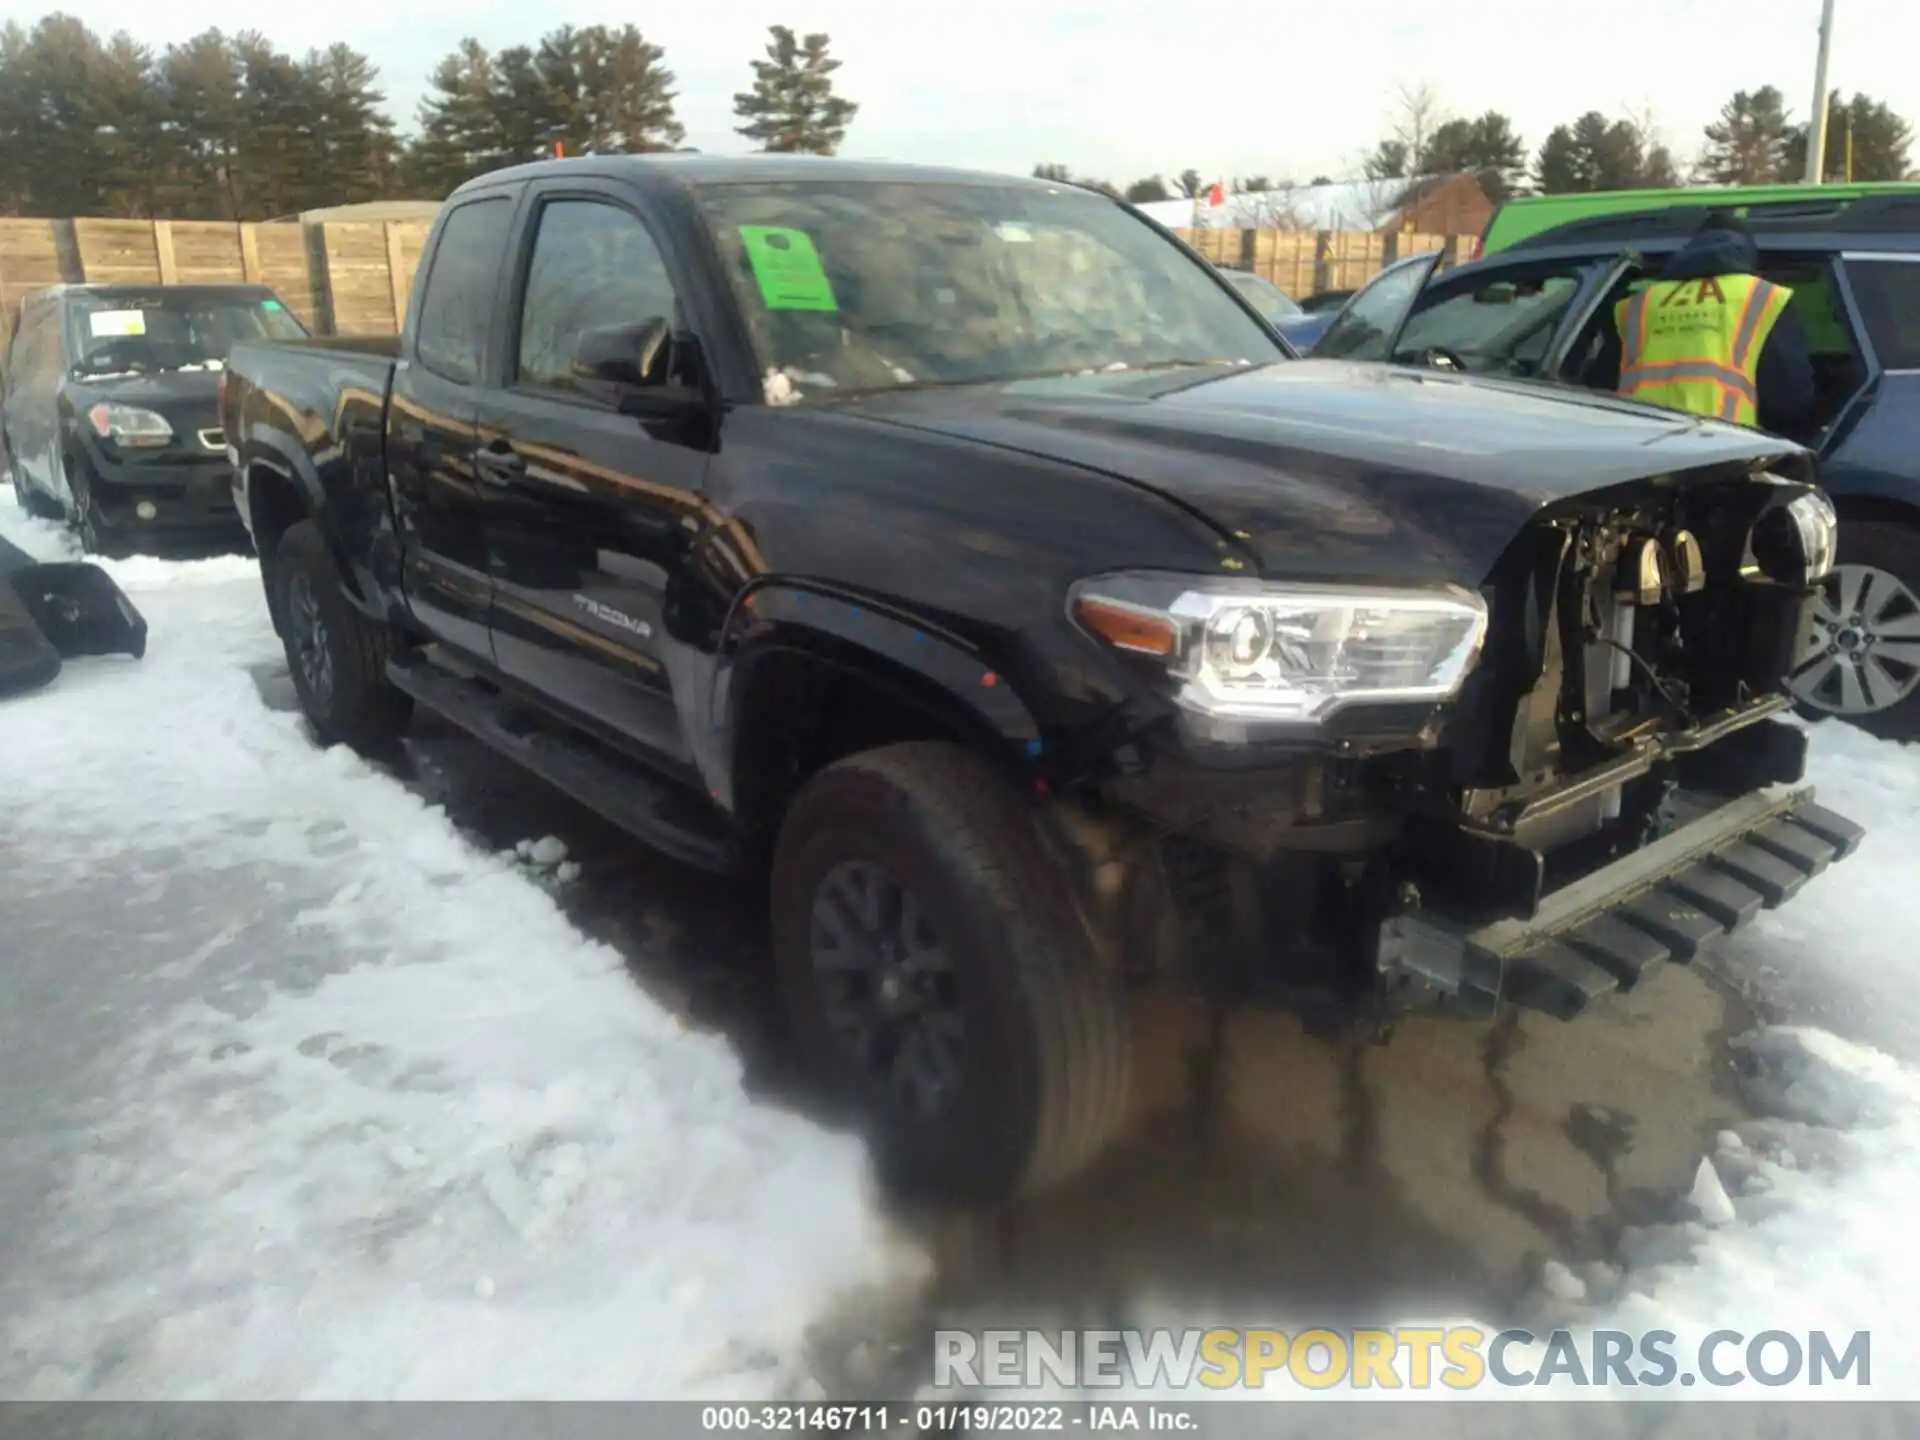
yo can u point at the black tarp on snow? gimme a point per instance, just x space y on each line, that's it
54 610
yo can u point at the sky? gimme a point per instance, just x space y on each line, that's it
1135 87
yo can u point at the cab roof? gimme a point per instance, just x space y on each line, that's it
690 169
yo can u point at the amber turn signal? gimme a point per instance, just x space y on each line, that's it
1127 628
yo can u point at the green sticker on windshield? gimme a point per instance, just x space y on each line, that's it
788 268
271 305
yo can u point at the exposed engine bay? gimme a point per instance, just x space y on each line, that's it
1610 789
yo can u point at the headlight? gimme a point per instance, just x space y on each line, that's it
1795 544
129 426
1289 653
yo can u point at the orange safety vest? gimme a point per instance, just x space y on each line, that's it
1694 345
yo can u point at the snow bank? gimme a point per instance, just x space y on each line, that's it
379 1123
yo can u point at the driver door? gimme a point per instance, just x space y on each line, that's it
589 513
1513 320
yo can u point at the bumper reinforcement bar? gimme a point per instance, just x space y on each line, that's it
1673 899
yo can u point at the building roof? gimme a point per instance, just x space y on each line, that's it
1349 205
373 211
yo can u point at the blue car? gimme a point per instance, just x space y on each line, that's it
1539 310
1301 327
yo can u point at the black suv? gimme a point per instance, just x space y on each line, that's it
1538 311
964 559
112 407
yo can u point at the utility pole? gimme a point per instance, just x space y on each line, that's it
1817 125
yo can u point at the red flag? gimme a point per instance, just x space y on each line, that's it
559 149
1218 194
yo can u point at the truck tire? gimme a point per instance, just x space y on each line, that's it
917 920
337 655
1861 663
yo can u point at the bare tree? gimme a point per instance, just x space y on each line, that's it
1414 112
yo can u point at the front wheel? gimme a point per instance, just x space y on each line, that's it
1859 658
941 980
338 656
95 535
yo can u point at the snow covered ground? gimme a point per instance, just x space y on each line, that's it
303 1094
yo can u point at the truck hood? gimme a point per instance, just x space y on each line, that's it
1334 470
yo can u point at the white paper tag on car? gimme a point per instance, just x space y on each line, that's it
105 323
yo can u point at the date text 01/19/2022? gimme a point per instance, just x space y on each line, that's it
973 1418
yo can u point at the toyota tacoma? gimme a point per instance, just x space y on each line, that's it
964 556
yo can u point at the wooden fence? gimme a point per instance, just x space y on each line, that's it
341 278
353 277
1307 262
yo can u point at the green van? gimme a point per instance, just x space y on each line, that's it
1520 219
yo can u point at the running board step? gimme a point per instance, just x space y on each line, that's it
653 811
1670 902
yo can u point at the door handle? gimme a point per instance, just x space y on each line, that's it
499 464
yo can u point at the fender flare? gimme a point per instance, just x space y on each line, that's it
778 613
264 447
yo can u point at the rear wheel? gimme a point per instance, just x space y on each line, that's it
1859 659
940 980
338 656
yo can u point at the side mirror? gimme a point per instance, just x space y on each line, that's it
628 365
621 354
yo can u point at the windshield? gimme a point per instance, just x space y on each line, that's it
1504 326
146 332
1266 297
875 285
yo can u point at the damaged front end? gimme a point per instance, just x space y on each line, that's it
53 611
1610 786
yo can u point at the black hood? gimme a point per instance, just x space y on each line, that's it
167 387
189 399
1327 469
1714 252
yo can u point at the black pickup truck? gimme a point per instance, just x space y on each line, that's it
966 555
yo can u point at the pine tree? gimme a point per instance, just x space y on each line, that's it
459 132
357 151
606 92
1882 142
1595 153
1390 160
280 159
792 107
1750 143
523 110
15 183
205 103
1489 149
135 157
67 157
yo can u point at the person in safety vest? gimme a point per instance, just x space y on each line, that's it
1712 338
